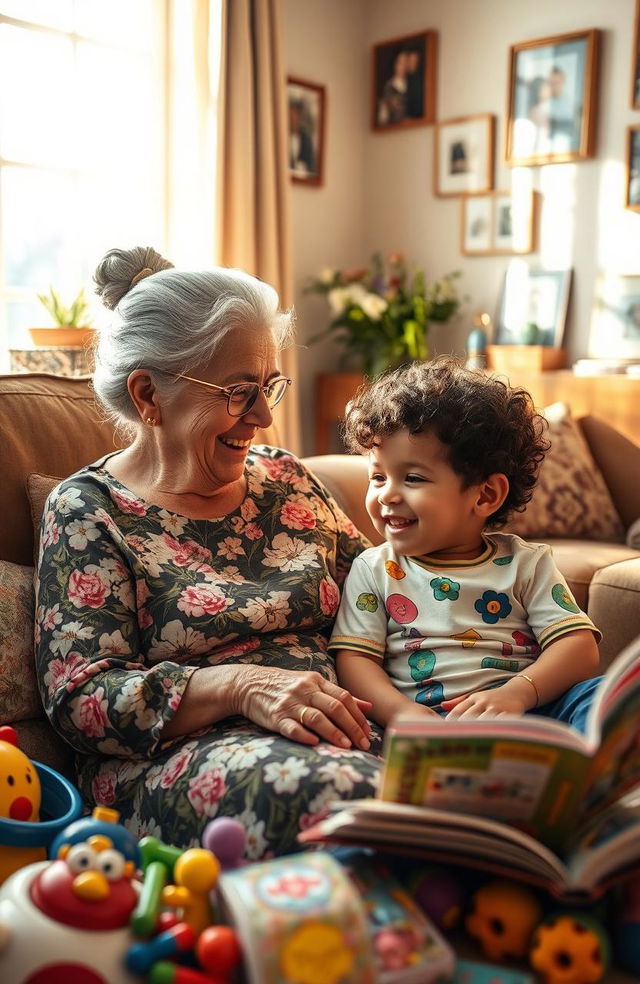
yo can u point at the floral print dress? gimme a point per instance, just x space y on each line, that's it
132 598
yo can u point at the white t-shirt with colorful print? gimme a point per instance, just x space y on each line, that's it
443 629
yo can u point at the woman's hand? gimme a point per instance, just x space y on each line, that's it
302 706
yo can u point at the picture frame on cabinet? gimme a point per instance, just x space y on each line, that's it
635 61
404 81
553 99
306 103
633 169
463 155
615 323
499 223
533 297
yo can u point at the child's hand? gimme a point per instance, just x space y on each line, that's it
485 703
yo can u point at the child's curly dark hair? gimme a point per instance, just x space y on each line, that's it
486 425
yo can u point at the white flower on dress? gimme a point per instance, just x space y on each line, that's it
286 775
178 643
247 755
143 828
80 532
113 644
343 776
256 843
133 698
268 613
89 713
69 501
171 523
289 553
64 637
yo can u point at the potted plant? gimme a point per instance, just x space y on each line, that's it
71 328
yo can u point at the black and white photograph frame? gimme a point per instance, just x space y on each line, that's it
533 306
499 223
615 324
404 81
306 103
553 99
463 155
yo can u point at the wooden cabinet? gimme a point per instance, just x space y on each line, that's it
615 398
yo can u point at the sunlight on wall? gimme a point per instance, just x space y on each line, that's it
618 240
558 220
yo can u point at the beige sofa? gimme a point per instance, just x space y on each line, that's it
50 426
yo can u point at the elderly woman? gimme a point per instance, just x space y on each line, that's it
188 583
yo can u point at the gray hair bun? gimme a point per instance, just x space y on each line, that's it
121 269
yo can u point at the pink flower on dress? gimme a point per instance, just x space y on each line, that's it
283 469
252 532
297 515
203 599
61 671
87 590
205 792
128 503
174 767
90 714
103 789
249 510
329 596
144 618
188 553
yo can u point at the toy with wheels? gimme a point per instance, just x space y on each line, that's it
75 909
36 803
570 948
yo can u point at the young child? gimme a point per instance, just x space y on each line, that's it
447 614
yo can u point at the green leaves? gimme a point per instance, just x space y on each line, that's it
75 315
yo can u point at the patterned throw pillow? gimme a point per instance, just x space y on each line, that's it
571 499
19 698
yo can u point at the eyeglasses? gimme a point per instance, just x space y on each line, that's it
242 396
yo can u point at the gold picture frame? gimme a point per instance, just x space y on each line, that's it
464 155
499 223
632 186
307 102
404 72
552 110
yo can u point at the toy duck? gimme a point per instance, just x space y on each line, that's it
77 907
20 795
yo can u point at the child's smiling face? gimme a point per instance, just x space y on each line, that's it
417 501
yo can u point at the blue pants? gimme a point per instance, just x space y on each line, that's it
573 706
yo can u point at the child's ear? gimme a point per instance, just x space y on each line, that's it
491 494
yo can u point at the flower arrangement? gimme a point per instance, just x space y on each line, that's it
381 314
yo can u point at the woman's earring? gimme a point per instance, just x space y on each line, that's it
151 421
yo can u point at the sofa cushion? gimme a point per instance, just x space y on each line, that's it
571 499
38 489
19 697
48 424
579 561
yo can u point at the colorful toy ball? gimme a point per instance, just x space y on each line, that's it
503 919
218 950
226 838
440 896
570 948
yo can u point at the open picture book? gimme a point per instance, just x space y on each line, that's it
526 797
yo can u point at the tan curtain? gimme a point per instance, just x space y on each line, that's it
252 208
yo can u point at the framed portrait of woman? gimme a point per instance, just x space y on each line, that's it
404 81
553 99
463 155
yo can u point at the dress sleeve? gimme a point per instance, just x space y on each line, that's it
96 688
551 608
361 622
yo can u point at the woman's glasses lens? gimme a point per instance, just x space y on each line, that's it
242 398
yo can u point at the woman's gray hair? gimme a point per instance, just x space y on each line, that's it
171 320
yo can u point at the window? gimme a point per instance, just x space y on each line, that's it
82 145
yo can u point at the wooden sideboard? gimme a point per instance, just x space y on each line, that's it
615 398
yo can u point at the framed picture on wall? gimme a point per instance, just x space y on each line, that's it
463 155
404 81
615 324
635 61
552 99
307 110
633 168
499 222
533 298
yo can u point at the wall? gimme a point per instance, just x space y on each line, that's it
389 204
